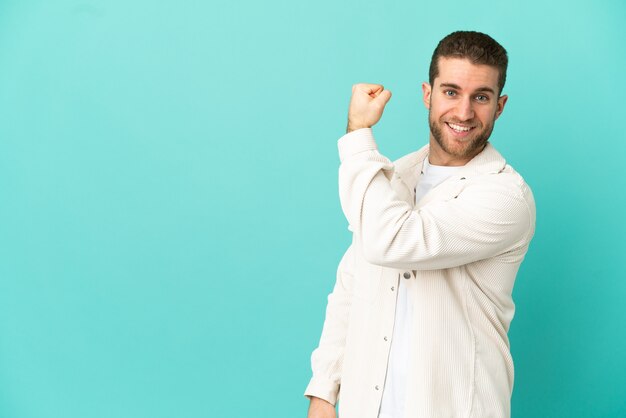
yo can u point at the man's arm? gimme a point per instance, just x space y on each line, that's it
327 358
484 220
319 408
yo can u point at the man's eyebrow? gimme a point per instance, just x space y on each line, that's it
479 89
485 89
451 85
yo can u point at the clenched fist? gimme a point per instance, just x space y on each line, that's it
366 105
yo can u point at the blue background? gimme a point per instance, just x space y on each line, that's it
169 219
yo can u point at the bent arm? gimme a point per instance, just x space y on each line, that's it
484 220
327 358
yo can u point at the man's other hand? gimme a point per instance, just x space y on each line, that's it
366 105
319 408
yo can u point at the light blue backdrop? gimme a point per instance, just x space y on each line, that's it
169 219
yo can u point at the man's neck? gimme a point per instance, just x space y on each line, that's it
437 156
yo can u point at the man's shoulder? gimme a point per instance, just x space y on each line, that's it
490 171
506 185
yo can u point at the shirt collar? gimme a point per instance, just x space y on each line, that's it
488 161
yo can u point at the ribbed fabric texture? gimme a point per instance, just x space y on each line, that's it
458 252
394 393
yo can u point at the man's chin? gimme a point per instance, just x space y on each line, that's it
458 147
463 148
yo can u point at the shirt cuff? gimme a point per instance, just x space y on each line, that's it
357 141
323 389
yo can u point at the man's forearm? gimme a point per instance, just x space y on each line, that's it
319 408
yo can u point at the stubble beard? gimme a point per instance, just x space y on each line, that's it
474 145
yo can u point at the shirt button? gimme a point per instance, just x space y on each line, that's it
385 338
407 275
393 288
376 387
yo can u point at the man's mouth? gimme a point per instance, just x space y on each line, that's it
459 128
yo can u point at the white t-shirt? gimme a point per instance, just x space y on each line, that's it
394 392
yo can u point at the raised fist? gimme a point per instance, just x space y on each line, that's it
366 105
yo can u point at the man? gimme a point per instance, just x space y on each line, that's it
417 322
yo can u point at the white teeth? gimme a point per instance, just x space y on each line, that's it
459 128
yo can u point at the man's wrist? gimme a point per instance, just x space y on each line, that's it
353 127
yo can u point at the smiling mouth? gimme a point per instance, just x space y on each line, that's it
460 129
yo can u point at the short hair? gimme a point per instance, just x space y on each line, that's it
479 48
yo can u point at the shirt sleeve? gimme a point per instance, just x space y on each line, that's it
486 219
327 358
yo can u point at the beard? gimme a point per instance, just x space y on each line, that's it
471 146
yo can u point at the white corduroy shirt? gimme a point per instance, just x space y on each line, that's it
458 250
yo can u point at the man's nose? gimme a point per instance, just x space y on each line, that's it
464 109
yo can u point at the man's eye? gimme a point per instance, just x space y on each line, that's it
449 93
482 98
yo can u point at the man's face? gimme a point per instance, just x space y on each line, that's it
462 108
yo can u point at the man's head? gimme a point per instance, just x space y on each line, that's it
467 74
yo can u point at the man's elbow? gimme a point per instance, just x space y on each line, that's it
378 253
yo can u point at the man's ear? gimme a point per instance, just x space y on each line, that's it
426 91
501 102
